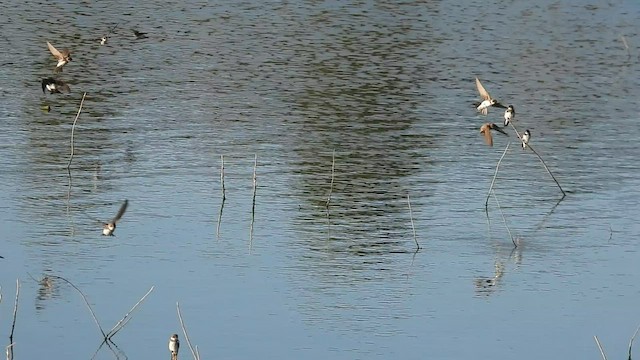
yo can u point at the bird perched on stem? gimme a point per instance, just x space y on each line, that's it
485 130
174 346
487 100
509 115
63 56
525 138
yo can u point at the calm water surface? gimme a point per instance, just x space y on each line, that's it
388 86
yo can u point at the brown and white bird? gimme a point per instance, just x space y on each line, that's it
54 86
174 346
509 115
525 138
110 227
105 38
487 100
485 130
63 56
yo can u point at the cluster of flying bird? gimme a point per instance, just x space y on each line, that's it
509 117
54 85
63 57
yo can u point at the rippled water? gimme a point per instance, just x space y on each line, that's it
388 87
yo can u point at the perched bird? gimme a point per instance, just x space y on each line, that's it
138 34
525 138
509 115
110 227
105 38
487 100
63 56
54 86
174 346
485 130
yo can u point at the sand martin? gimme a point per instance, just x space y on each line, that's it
63 56
485 130
105 38
174 346
509 115
54 86
138 34
525 138
487 100
110 227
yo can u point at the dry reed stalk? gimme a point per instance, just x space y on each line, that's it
495 175
73 128
504 219
541 160
604 357
118 326
224 193
415 238
333 171
631 341
84 297
626 46
13 324
253 203
196 355
219 219
548 171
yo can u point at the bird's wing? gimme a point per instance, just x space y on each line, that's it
483 93
54 51
63 86
486 132
123 208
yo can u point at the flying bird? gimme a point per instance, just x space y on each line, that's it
110 227
54 86
105 38
138 34
485 130
174 346
525 138
63 56
487 100
509 115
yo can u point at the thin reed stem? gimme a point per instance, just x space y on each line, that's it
415 238
626 46
73 128
631 341
516 130
333 171
504 219
84 297
114 330
549 171
224 193
219 219
13 324
253 204
196 356
604 357
495 175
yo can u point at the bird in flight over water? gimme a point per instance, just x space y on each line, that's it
487 100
